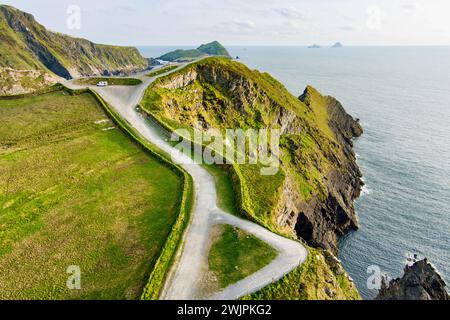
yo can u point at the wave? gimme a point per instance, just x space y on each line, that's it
365 191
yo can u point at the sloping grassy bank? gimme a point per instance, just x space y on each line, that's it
321 277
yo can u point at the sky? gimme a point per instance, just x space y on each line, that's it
246 22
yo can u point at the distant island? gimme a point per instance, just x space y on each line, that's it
336 45
210 49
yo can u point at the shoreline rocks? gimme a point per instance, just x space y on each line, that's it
421 281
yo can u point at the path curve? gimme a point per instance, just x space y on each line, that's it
184 279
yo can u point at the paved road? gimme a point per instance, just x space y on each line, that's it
184 279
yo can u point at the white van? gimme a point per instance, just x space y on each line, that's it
102 84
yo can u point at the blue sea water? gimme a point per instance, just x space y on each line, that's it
402 96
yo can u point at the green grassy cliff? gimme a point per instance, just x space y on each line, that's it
312 193
311 196
27 45
210 49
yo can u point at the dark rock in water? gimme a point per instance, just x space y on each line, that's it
337 45
314 46
421 281
152 62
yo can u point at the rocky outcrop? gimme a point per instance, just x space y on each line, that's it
421 281
181 80
14 82
320 220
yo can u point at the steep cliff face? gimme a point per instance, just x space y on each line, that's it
322 219
421 281
313 192
27 45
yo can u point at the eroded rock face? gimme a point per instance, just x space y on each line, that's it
14 82
320 221
421 281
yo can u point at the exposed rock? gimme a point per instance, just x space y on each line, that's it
319 220
152 62
14 82
180 80
421 281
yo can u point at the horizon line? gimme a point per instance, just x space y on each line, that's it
292 45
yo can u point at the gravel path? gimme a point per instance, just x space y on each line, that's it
183 281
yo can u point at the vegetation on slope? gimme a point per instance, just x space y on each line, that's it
27 45
321 277
219 93
237 254
180 55
214 49
210 49
160 71
111 81
306 145
75 191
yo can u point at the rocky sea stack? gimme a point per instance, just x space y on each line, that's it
421 281
337 45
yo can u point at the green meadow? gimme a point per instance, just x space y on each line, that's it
236 254
75 190
111 81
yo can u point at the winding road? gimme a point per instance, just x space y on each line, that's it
184 279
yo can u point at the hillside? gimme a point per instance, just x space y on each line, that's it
28 49
210 49
214 49
312 194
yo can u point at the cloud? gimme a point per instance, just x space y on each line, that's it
293 14
347 28
374 18
410 7
235 26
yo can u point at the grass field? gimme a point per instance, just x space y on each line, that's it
237 254
161 71
74 190
111 81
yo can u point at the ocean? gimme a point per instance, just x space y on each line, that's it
402 96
